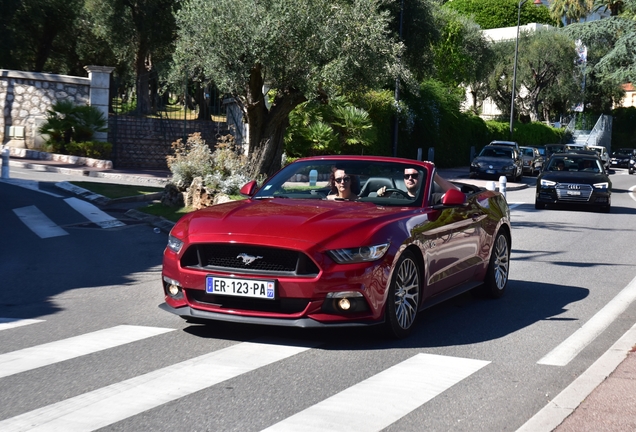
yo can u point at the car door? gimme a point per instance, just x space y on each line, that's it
450 241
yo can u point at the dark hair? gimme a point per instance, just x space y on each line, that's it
354 184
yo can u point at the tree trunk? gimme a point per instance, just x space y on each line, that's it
143 83
267 127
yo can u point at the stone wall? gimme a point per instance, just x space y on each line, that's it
141 142
25 98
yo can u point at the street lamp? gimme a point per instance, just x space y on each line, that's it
514 69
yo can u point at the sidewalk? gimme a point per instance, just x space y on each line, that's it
603 398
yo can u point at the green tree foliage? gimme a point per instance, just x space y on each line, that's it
570 11
491 14
546 59
303 49
419 31
462 54
337 127
434 119
624 127
526 134
611 43
36 32
141 34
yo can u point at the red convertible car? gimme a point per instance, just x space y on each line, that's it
338 241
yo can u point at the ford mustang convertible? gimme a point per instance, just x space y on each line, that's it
338 241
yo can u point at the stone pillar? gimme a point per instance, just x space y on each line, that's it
100 92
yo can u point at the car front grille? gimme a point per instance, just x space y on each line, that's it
573 192
249 259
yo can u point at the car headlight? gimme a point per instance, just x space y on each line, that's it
359 254
174 244
547 183
604 185
632 162
509 167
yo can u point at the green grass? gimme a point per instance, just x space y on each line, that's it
113 191
171 213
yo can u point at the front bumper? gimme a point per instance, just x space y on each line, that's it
187 312
595 198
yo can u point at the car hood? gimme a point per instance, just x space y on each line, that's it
300 223
575 177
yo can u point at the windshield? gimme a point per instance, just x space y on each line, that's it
581 164
385 183
528 152
496 152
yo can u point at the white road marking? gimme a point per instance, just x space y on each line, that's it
570 348
119 401
513 205
631 194
8 323
93 214
37 222
381 400
54 352
571 397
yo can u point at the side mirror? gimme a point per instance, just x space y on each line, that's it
453 197
249 188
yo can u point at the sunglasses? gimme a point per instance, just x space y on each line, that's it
413 176
343 179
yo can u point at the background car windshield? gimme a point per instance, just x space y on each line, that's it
495 152
311 180
575 164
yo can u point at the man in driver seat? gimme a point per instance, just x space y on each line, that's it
411 181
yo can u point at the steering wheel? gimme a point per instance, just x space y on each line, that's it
400 191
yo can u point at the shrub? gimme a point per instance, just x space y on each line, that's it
68 123
90 149
221 169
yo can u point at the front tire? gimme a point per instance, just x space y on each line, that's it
498 268
538 205
404 297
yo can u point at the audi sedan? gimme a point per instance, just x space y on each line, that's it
296 253
574 179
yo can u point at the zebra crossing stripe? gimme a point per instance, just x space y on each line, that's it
8 323
381 400
42 355
119 401
93 214
37 222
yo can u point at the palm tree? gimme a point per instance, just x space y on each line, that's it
571 10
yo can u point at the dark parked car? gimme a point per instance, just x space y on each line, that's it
632 164
495 161
532 160
295 253
550 149
574 179
620 158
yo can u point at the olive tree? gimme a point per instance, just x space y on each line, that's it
301 49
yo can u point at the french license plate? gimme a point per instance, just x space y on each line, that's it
263 289
490 171
574 193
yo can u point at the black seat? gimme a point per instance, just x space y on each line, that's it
372 185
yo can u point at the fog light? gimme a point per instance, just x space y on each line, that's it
173 290
344 304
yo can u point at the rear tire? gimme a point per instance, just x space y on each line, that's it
539 206
498 268
403 299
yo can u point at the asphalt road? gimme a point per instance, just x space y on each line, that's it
83 345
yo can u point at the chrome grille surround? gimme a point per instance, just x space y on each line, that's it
565 191
267 260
